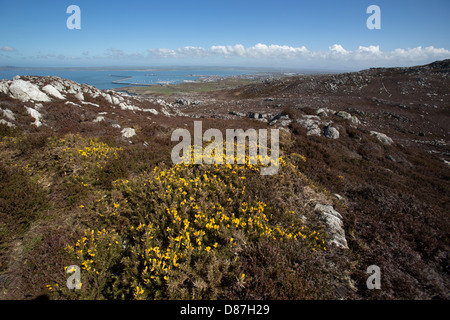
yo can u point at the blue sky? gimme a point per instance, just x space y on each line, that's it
287 33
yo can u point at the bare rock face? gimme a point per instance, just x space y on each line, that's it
333 223
4 87
41 97
25 91
51 90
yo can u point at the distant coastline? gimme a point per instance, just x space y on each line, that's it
101 77
124 78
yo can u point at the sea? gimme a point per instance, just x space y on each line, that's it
116 78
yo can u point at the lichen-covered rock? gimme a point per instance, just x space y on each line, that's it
311 124
334 224
344 115
382 138
331 132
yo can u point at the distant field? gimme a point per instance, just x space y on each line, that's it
186 87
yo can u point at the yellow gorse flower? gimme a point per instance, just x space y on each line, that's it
179 213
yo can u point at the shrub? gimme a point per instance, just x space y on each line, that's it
179 232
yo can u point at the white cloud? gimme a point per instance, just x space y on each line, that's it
336 52
258 51
7 49
337 49
162 53
418 53
276 51
115 53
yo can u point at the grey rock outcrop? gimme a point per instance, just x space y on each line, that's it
333 223
382 138
128 132
25 91
52 91
347 116
312 124
331 132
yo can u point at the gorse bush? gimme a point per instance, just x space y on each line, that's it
179 232
144 229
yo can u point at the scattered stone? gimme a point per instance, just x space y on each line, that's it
79 95
8 114
239 114
151 111
183 102
382 138
389 157
395 116
312 124
254 115
90 103
115 100
36 115
338 196
107 98
331 132
279 116
446 162
73 104
360 113
7 123
344 115
322 112
281 119
99 119
314 132
128 132
355 120
165 112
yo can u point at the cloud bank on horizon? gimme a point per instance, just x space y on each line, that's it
254 56
301 55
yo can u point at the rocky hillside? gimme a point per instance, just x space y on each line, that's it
87 180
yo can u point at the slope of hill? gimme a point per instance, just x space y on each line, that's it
87 180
